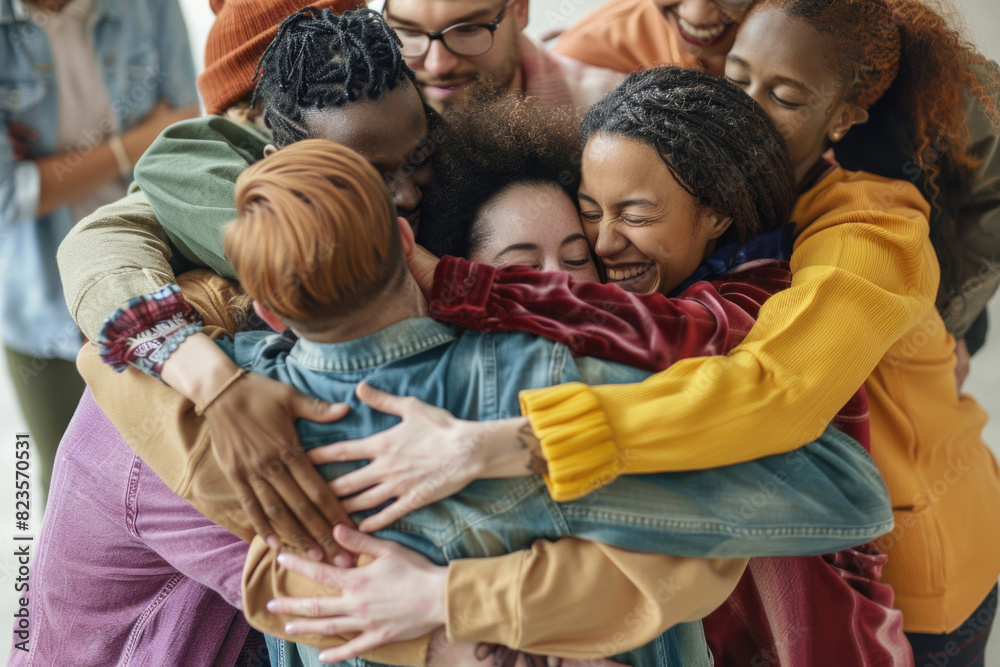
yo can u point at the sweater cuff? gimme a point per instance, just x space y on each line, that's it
483 600
576 439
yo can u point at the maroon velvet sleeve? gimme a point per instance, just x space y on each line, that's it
648 331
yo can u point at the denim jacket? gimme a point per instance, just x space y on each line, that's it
825 497
143 48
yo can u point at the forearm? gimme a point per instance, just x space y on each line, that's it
116 254
161 426
813 345
648 331
67 177
582 600
197 368
159 422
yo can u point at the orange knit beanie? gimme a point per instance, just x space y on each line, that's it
243 29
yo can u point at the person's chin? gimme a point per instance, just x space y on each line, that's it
702 43
447 95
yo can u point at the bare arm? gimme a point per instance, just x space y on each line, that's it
67 177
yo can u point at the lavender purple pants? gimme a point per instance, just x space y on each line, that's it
125 572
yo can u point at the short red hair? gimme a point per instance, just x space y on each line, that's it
315 235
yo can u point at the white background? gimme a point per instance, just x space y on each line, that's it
983 18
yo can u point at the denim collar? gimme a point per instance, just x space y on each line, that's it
13 10
403 339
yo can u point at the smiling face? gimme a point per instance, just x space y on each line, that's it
648 231
780 62
391 133
535 224
706 28
446 79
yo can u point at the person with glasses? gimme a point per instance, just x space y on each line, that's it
456 48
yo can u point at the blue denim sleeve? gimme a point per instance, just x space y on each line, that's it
177 84
826 496
821 498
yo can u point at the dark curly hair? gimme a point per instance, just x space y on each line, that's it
716 141
906 63
320 60
497 141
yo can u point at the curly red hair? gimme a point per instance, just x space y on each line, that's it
910 57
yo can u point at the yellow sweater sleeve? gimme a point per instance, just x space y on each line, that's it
582 600
863 273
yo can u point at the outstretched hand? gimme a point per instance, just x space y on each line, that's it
430 455
255 442
399 595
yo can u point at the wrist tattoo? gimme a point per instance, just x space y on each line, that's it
526 436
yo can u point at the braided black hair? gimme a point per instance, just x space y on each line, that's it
715 140
497 141
320 60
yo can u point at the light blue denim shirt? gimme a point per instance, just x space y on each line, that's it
143 49
825 497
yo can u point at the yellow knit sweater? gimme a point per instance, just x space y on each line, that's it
860 311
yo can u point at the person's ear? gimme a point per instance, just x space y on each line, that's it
407 233
844 119
520 9
270 149
716 225
270 319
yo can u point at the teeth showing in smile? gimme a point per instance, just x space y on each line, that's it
704 34
619 274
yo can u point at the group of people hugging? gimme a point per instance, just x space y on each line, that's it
392 363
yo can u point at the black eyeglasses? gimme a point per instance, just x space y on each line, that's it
462 39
